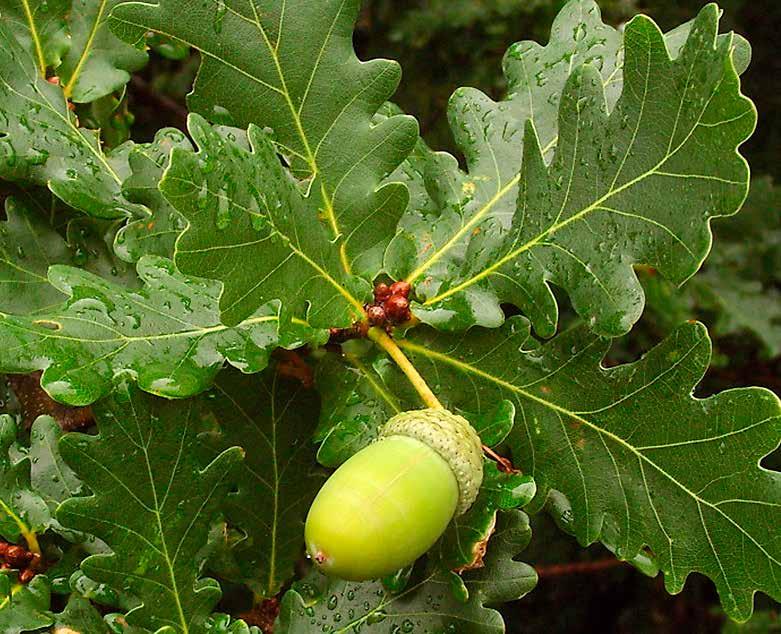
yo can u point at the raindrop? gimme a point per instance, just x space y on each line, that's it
376 617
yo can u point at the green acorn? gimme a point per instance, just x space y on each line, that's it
389 503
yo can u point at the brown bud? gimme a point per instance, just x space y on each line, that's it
401 288
376 314
17 556
35 562
5 566
4 548
397 309
382 292
26 576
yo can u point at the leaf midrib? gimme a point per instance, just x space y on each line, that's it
297 251
35 37
68 88
186 334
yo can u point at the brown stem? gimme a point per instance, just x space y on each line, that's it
505 464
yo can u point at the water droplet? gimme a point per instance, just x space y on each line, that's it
376 617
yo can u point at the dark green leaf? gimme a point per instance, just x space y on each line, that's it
167 336
641 462
250 229
463 546
152 504
272 419
50 477
356 402
40 141
618 167
79 617
97 63
23 512
24 608
155 233
28 246
290 66
40 27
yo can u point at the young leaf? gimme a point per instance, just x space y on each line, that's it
97 63
249 227
50 476
23 512
40 27
24 608
41 143
28 246
167 336
427 605
290 66
635 454
152 504
604 202
79 617
355 403
156 232
273 420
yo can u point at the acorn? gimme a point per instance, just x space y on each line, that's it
390 502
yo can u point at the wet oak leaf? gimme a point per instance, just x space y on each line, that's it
639 133
152 504
464 544
272 418
24 608
156 232
167 336
250 228
23 511
640 460
41 143
28 246
290 66
97 62
40 26
355 403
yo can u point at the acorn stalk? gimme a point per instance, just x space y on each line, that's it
390 502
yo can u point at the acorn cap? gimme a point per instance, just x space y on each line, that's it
453 438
